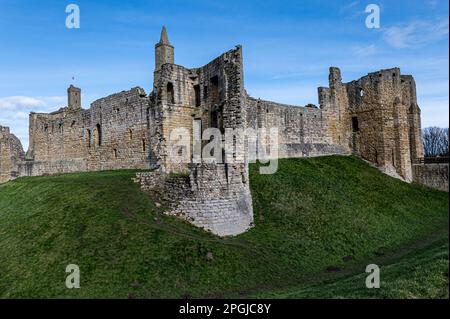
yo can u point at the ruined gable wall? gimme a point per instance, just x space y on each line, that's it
11 152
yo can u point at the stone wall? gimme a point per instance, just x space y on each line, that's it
377 117
432 175
11 153
175 106
302 131
42 168
215 197
113 133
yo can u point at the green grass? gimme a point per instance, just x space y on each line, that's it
415 273
311 215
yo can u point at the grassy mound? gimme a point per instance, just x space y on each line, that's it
315 219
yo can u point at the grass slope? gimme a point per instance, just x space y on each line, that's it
417 272
334 213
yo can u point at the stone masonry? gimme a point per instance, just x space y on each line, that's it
432 175
375 117
11 153
215 197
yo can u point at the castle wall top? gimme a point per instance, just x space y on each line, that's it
4 129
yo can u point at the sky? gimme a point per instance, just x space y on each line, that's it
288 48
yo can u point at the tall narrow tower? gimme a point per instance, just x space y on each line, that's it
74 97
164 53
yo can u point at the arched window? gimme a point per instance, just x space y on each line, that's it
170 93
98 135
130 134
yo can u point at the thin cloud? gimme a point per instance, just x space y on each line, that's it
416 33
350 6
15 110
16 103
367 50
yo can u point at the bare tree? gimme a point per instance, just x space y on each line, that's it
435 141
445 140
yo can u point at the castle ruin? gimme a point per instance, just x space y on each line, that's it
375 117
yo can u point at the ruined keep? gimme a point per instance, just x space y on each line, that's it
375 117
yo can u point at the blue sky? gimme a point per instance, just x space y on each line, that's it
288 48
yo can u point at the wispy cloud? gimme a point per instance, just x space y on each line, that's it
417 33
20 103
348 7
14 112
364 50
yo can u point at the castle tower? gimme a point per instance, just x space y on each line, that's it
164 53
334 103
74 97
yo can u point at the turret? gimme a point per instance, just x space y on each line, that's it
74 97
335 77
164 53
